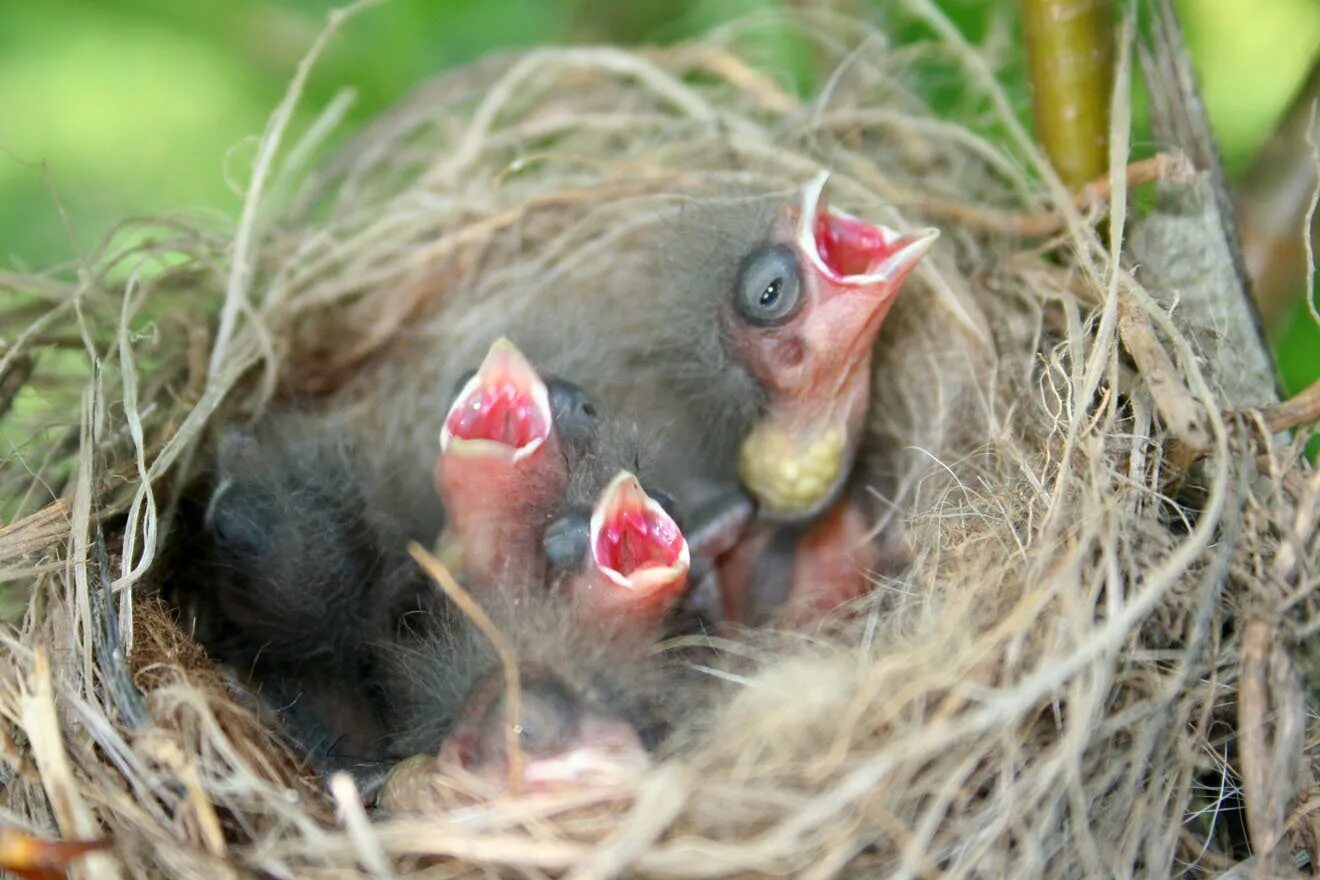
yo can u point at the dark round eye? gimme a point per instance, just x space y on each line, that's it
573 411
769 286
548 718
567 542
568 399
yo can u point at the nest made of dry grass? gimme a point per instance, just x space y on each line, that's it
1090 667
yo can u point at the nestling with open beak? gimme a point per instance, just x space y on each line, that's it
806 309
733 328
508 442
595 695
627 558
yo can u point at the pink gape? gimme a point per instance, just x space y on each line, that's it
639 559
814 358
499 464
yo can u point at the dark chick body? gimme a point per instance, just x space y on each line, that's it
595 699
304 584
300 572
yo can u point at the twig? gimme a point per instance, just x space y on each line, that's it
13 380
1162 167
507 656
1271 729
1308 223
18 347
1303 408
35 531
659 802
183 767
41 724
747 79
1177 407
1273 197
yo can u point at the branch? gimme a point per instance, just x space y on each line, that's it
1070 50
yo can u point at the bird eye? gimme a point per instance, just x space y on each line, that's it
573 412
567 542
547 719
768 290
244 528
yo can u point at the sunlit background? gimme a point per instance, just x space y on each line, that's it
115 108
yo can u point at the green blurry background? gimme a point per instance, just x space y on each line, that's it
112 108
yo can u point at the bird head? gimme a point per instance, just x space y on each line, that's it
567 740
627 561
505 452
501 413
805 310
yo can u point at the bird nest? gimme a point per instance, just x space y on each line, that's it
1093 661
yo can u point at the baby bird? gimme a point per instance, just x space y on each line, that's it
509 440
629 557
519 449
300 572
806 308
595 695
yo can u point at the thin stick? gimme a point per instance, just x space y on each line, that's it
1308 223
659 802
508 657
36 531
1160 167
741 75
360 832
1303 408
41 724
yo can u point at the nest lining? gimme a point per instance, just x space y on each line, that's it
1055 685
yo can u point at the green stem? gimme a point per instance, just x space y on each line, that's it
1070 49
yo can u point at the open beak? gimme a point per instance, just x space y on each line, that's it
638 553
797 458
849 253
502 411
